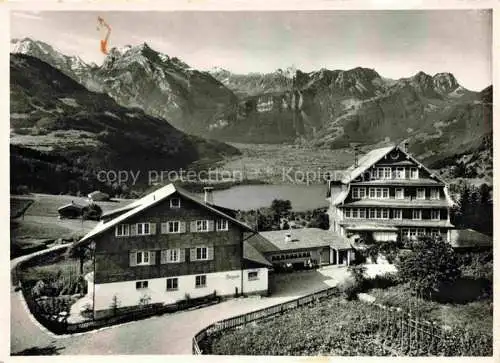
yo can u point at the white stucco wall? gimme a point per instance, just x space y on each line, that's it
224 283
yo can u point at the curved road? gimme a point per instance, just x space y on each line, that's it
167 334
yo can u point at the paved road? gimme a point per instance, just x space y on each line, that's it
167 334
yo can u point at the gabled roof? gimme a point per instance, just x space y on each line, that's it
365 162
465 238
149 201
375 155
72 206
250 253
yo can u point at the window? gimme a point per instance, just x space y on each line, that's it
434 193
175 203
347 212
173 284
421 232
141 285
222 225
354 213
387 173
400 193
173 227
202 226
379 193
201 253
253 275
122 230
417 214
142 229
358 193
420 193
400 173
362 213
142 257
173 255
200 281
385 213
372 213
405 233
413 233
435 233
398 214
435 214
414 173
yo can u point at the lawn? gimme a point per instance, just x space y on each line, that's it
40 224
18 206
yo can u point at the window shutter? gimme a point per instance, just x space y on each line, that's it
163 228
182 255
163 257
192 226
210 253
211 225
152 228
132 258
182 227
152 257
133 229
192 254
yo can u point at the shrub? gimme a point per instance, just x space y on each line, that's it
431 264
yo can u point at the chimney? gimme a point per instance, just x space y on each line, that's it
209 197
288 237
405 146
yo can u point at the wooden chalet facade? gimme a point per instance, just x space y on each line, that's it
388 194
168 246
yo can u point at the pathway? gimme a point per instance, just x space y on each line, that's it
167 334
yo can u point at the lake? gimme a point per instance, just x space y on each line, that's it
245 197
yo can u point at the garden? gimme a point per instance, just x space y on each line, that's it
52 283
439 303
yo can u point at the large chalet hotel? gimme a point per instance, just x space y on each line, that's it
388 193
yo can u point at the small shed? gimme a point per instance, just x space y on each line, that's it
98 196
71 210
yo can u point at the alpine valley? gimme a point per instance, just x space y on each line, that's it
139 91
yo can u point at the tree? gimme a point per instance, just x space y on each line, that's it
431 264
115 304
92 212
280 207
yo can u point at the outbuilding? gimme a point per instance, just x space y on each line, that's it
304 247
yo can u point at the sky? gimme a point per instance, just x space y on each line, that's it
397 43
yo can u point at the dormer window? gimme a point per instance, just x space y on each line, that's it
175 203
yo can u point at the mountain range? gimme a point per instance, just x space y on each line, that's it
322 109
63 134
